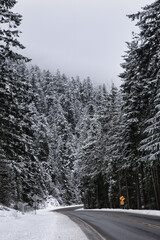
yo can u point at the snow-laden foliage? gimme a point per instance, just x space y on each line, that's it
70 140
141 109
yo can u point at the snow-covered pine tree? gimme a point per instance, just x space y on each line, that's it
89 158
139 90
149 48
113 155
133 113
17 138
102 101
8 89
75 87
86 91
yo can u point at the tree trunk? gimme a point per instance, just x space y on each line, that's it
154 186
158 185
127 192
142 186
119 185
138 192
5 190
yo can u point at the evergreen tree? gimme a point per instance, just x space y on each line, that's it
140 87
10 111
113 154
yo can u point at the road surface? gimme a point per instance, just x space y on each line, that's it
116 225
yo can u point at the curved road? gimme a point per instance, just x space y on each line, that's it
116 225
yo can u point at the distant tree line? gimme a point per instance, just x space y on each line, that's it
67 138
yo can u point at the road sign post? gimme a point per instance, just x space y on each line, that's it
35 202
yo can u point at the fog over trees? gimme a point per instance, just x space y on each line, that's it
75 141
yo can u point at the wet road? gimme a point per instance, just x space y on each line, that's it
117 225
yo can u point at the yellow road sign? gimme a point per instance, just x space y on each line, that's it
121 202
122 198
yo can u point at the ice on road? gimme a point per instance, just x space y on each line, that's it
45 225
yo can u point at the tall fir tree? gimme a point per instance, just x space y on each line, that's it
15 124
140 87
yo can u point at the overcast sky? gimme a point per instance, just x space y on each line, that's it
78 37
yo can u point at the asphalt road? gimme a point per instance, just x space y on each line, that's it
115 225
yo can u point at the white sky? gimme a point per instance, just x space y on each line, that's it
78 37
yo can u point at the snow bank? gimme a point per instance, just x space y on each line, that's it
6 212
146 212
44 225
51 203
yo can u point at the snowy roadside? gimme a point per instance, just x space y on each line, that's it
137 211
45 225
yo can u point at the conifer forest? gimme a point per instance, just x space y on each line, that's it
75 141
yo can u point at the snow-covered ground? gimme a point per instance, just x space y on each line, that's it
44 225
146 212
